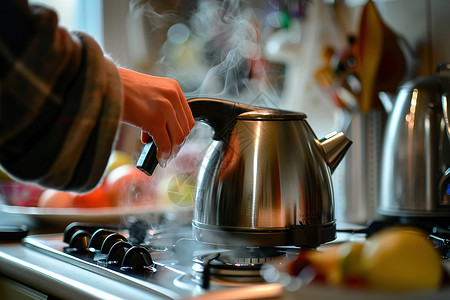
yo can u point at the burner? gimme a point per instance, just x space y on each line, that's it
249 256
239 265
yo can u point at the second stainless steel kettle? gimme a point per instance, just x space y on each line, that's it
415 170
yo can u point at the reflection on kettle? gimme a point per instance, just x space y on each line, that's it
265 179
416 153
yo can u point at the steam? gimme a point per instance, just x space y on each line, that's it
213 49
230 43
158 13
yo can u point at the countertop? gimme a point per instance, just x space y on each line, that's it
58 278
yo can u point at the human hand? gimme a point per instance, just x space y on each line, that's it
158 107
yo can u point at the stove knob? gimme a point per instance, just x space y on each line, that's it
117 252
80 240
98 237
110 240
89 227
137 258
72 228
138 232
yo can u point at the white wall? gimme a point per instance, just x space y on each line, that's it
425 24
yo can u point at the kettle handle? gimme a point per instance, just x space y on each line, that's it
443 70
446 112
219 114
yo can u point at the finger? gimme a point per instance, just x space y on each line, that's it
145 137
162 140
187 111
183 114
190 122
175 130
183 122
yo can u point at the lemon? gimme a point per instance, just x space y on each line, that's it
177 189
350 259
338 264
401 258
326 263
116 159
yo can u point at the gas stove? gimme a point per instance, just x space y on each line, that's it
166 259
159 257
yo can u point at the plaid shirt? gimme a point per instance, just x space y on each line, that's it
60 105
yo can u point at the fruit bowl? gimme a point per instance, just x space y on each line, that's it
105 215
19 194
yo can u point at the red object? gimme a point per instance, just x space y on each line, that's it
94 199
20 194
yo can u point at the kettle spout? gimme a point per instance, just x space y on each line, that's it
335 147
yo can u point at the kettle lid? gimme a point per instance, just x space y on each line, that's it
437 82
271 115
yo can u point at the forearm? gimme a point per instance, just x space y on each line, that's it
61 106
15 27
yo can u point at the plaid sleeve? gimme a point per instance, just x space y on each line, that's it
59 108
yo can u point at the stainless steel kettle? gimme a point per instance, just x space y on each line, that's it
265 180
415 171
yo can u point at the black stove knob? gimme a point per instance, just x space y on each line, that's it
117 252
137 258
138 232
80 240
70 230
98 237
89 227
110 240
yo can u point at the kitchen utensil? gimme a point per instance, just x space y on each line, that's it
382 57
357 180
265 180
416 153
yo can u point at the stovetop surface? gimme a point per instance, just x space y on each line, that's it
178 263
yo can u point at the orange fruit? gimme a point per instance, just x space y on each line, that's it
55 199
98 197
127 185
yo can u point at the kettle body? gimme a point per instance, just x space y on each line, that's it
415 179
265 179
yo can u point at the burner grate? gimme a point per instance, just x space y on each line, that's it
238 265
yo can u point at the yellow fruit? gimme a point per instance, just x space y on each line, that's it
350 259
325 263
178 190
401 258
338 264
4 176
116 159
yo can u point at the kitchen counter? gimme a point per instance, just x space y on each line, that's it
36 275
39 275
33 225
42 275
38 272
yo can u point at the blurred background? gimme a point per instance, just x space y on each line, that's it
328 59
